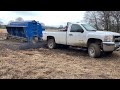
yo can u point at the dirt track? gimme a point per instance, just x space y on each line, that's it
43 63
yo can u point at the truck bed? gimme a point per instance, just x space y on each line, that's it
55 30
59 36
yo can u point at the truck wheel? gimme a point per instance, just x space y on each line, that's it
51 44
94 50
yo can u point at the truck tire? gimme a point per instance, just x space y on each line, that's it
94 50
51 44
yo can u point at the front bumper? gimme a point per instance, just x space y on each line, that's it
111 46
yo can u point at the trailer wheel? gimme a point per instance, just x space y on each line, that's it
34 39
51 44
7 37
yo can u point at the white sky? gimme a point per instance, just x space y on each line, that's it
51 18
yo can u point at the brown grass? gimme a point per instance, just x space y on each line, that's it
55 64
3 31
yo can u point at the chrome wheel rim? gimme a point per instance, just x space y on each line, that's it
50 44
91 51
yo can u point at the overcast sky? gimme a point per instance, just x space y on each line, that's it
51 18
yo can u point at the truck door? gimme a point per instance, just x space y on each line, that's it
76 35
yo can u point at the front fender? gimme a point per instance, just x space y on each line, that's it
94 36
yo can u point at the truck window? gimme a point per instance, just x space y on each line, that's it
88 27
76 28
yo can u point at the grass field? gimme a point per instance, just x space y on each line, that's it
3 31
60 63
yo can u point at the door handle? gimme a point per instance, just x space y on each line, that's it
70 34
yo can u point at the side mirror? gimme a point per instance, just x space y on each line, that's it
82 31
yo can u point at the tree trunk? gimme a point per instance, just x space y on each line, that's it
117 25
96 23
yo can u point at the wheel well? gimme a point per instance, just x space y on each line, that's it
93 40
50 37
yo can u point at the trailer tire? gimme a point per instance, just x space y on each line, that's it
51 44
7 37
34 40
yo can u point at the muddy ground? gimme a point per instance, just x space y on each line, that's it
42 63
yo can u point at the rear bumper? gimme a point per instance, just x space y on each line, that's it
111 46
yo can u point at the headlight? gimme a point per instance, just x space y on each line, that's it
108 38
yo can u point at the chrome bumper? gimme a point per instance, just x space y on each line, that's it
111 46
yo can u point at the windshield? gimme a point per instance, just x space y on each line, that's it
88 27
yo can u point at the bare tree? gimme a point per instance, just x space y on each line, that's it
116 16
100 19
91 17
1 23
19 19
105 19
61 27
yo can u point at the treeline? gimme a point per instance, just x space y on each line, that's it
2 26
48 27
105 20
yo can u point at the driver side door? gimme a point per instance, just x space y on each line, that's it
75 36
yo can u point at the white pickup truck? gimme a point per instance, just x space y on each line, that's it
84 35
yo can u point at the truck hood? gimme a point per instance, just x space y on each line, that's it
105 33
